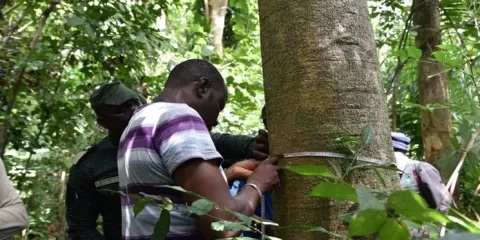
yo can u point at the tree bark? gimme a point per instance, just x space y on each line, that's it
216 12
432 81
322 82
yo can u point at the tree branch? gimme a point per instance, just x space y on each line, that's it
18 80
464 46
398 69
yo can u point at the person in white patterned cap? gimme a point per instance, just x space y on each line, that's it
420 176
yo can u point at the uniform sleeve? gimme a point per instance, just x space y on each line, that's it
13 215
82 207
184 137
233 148
432 188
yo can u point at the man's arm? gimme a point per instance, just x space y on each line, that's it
13 216
82 207
191 159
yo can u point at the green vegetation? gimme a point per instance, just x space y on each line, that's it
54 53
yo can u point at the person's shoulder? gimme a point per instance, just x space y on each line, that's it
162 111
83 157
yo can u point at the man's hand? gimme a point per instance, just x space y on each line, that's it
241 170
265 175
260 147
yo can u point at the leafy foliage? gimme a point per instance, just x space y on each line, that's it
54 53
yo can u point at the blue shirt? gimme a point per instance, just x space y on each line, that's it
236 186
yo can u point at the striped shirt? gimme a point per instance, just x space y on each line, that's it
159 138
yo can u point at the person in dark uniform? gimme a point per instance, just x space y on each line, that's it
95 170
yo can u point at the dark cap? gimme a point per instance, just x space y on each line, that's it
113 93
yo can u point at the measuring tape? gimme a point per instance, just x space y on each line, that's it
335 155
318 154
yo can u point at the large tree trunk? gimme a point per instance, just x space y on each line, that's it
216 10
432 80
322 82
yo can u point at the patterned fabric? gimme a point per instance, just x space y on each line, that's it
423 178
400 141
159 138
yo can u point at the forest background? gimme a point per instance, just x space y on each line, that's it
54 53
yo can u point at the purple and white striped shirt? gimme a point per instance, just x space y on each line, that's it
159 138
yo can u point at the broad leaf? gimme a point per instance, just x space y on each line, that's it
407 203
368 135
335 191
311 170
228 226
412 206
367 200
162 226
201 207
140 205
393 230
366 222
414 52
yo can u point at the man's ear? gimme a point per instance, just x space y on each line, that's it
203 87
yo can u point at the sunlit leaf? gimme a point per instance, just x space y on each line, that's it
201 207
311 170
393 230
228 226
366 222
335 191
140 205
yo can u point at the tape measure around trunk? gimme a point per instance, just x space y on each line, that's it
317 154
335 155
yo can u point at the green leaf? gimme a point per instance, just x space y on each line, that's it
335 191
393 230
367 200
228 226
366 222
311 170
75 21
407 203
368 135
167 203
162 226
201 207
414 52
140 205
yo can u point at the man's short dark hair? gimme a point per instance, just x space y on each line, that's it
194 70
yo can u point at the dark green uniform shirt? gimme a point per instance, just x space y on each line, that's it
97 170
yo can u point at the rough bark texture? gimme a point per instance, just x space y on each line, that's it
322 82
216 12
432 80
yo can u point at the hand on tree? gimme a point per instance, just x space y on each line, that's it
241 170
260 147
265 175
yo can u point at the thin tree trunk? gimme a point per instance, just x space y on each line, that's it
322 82
432 81
216 12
